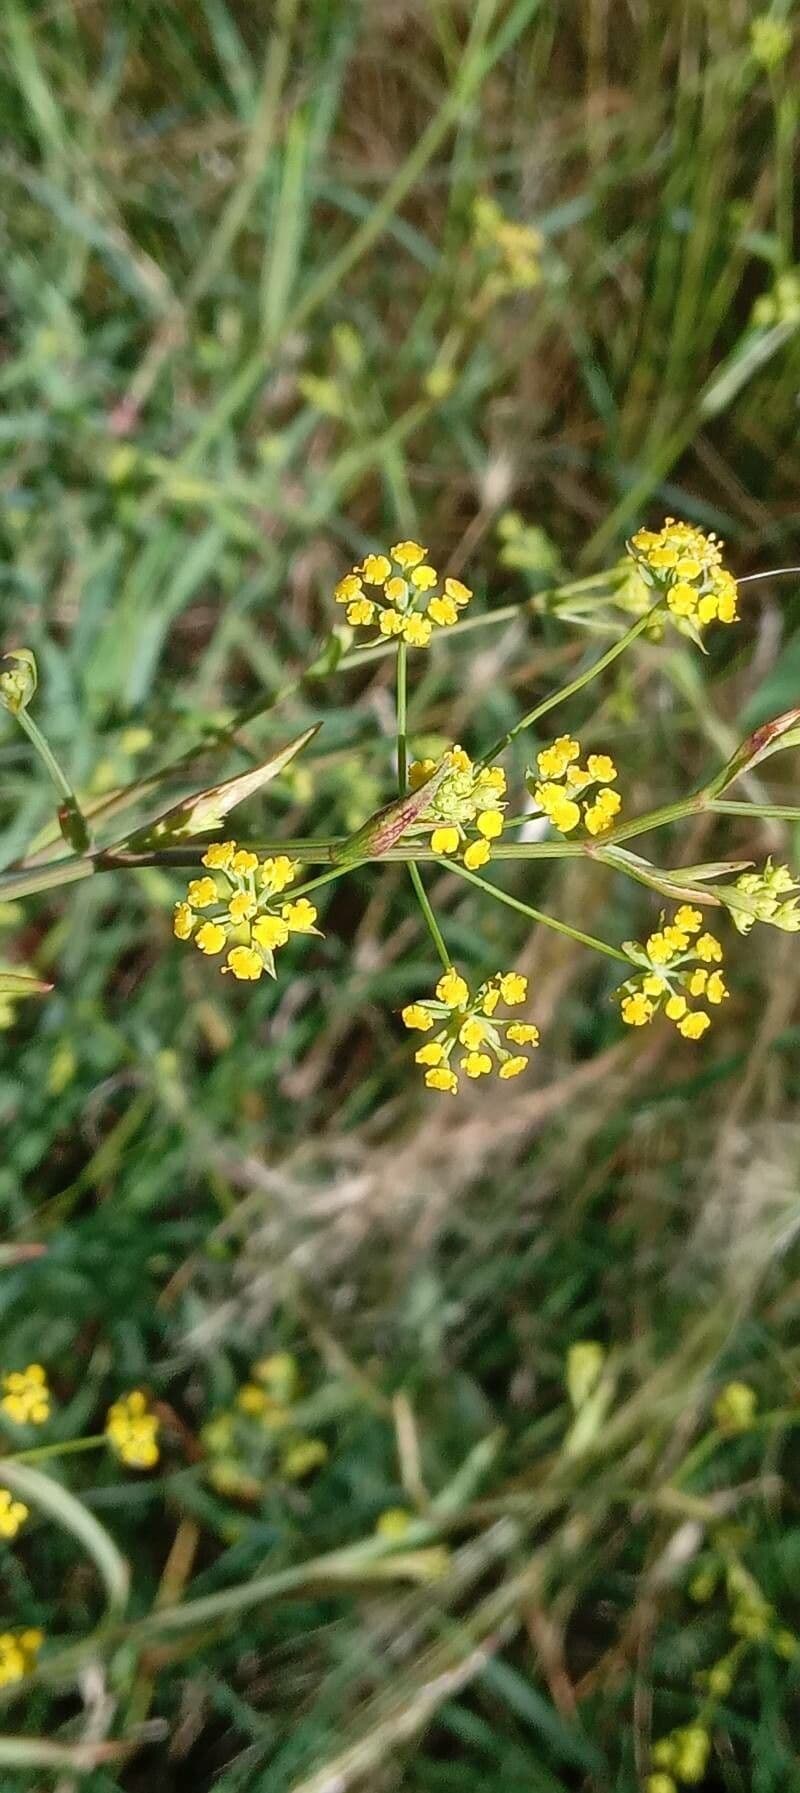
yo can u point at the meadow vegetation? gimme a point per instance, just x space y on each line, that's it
358 1433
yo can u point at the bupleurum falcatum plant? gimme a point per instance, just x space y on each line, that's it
250 903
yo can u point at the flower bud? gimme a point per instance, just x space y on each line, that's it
18 684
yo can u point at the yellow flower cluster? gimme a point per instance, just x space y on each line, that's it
563 780
399 594
241 915
242 1444
686 566
18 1653
675 967
26 1396
132 1430
13 1514
685 1754
468 797
469 1021
516 249
769 895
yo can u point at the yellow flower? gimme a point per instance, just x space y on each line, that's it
26 1396
671 974
443 611
243 862
479 1064
637 1010
270 931
424 577
219 855
242 907
452 989
183 922
694 1026
202 892
244 963
735 1407
477 854
563 780
490 824
210 938
554 760
470 1021
361 611
303 1456
300 916
18 1653
513 987
276 873
417 630
600 766
511 1067
408 554
394 1523
688 919
473 1033
375 568
348 588
414 1015
445 840
13 1514
441 1078
404 599
132 1430
708 948
684 564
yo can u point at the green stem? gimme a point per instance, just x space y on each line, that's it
67 1448
559 927
782 812
575 685
433 925
402 717
71 820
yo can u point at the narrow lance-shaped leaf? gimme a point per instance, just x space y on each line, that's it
387 826
206 810
18 983
772 737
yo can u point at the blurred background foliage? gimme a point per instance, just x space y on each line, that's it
253 326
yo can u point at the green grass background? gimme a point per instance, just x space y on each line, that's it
235 241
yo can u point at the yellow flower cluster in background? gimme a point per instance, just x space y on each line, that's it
238 909
26 1396
563 781
399 595
677 964
18 1653
13 1514
515 250
685 1754
468 797
132 1430
246 1445
686 565
455 1018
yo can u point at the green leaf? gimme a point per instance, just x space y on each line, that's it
50 1497
18 983
206 810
